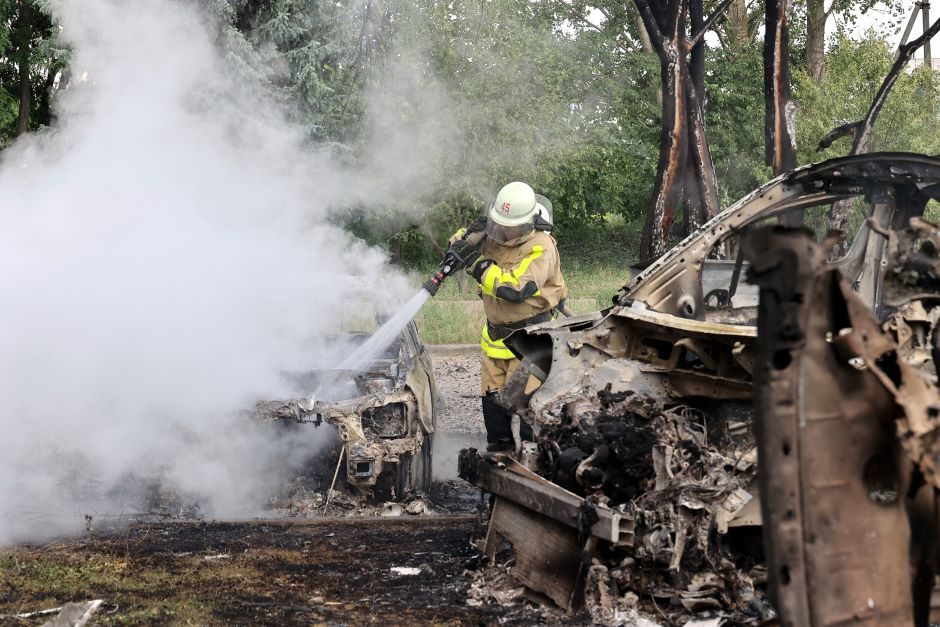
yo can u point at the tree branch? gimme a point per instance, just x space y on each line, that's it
645 42
649 20
604 12
709 22
905 53
586 22
850 128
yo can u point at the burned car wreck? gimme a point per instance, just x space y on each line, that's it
384 416
645 466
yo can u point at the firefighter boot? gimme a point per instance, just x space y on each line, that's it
497 421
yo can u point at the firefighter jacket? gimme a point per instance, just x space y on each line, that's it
523 282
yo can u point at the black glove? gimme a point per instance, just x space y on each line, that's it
476 226
462 254
478 269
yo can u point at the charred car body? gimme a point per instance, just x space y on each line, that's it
384 415
644 411
847 412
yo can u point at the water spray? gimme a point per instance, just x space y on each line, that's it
369 350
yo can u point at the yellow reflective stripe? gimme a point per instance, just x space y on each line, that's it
489 280
524 265
495 352
506 277
495 349
494 273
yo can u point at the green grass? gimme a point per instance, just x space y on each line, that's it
144 593
450 322
455 316
595 281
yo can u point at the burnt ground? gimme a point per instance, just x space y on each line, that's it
327 571
304 569
333 571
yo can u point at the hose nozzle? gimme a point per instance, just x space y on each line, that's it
434 282
451 262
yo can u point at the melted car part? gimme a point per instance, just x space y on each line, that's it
832 477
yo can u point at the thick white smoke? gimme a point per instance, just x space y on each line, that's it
164 257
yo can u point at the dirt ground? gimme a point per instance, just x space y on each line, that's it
459 418
354 567
457 373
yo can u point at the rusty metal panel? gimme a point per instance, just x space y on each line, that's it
837 532
501 475
547 552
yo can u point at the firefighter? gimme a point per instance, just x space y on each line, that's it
519 272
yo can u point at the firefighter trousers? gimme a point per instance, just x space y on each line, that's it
493 376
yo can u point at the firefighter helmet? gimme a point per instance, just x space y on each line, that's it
515 205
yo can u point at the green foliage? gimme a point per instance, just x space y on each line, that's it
546 92
854 72
566 111
32 39
735 119
301 49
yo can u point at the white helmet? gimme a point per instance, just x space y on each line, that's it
515 205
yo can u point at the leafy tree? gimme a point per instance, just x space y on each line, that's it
853 73
740 25
304 51
531 101
818 14
32 67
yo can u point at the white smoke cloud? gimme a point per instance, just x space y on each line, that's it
165 255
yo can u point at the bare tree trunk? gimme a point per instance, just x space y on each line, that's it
701 161
26 89
673 153
779 136
645 40
683 144
816 17
928 57
647 44
694 205
44 115
670 35
701 184
779 108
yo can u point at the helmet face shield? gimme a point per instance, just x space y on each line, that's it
502 234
